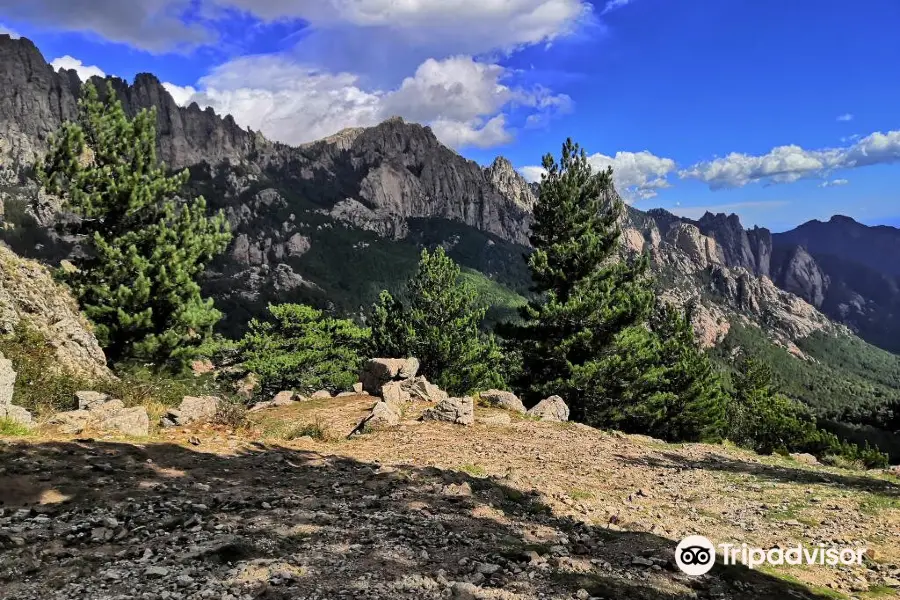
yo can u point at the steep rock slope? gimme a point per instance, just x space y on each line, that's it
30 297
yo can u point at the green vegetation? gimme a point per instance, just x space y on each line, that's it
145 249
41 385
440 325
591 334
296 348
11 428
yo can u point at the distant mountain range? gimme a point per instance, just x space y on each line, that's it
335 221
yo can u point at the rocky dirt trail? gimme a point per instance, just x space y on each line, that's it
508 508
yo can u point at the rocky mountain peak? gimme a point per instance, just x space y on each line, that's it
510 183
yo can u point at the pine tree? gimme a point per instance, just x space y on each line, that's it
145 250
439 323
300 348
590 306
683 397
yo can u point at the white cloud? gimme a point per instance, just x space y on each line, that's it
845 117
475 25
637 175
614 5
786 164
6 30
85 72
182 95
463 100
834 183
154 25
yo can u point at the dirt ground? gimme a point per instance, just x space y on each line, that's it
506 508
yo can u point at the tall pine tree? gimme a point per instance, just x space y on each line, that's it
438 322
588 302
145 250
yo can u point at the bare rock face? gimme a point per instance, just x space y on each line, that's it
505 400
801 275
748 249
7 381
460 411
553 408
28 294
509 183
701 249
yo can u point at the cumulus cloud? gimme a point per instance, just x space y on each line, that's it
85 72
637 175
180 94
475 26
786 164
462 99
834 183
845 117
154 25
6 30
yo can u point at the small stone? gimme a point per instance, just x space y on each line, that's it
156 571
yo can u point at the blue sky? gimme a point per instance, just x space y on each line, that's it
779 111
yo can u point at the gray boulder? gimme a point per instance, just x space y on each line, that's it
550 409
452 410
16 414
395 395
321 395
384 415
379 371
128 421
105 410
192 409
71 422
7 381
90 400
284 399
505 400
421 390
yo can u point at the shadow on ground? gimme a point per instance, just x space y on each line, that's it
782 473
87 519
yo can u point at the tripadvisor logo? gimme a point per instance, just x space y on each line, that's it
696 555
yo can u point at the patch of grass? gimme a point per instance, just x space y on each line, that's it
288 431
474 470
232 414
11 428
822 591
879 591
873 504
581 495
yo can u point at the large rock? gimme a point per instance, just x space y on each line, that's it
7 381
394 394
16 414
29 296
421 390
460 411
501 399
128 421
553 408
71 422
378 371
90 400
192 409
383 415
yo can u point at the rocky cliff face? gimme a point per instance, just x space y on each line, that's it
30 297
715 264
395 170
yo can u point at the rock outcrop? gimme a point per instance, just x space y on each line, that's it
459 411
8 410
109 416
30 297
379 371
553 408
504 400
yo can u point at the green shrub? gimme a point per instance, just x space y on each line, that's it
41 385
297 348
